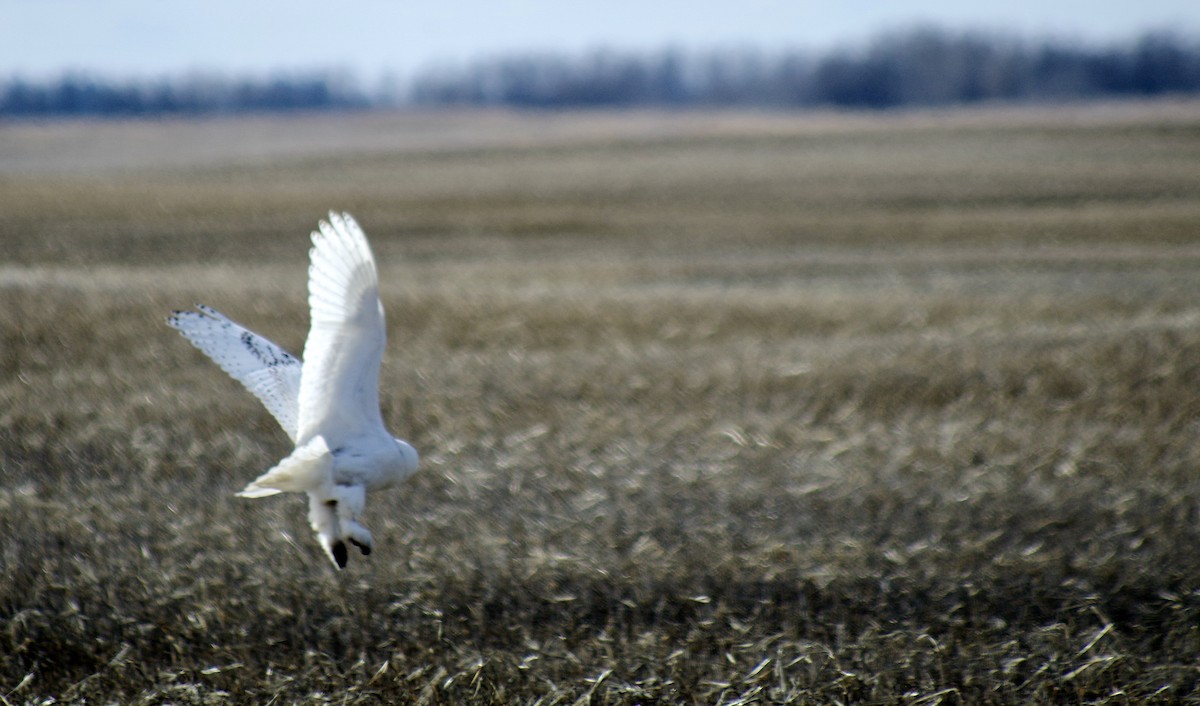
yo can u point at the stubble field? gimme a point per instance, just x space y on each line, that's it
713 409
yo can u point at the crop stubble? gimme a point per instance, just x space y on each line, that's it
873 409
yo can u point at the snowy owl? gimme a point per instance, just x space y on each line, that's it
329 403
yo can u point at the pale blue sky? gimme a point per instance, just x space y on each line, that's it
154 37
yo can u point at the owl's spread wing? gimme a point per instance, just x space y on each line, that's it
272 374
339 391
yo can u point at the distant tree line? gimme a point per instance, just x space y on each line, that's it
916 67
920 67
81 94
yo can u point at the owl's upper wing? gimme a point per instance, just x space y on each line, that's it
339 391
265 369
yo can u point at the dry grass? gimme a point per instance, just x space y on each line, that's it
901 410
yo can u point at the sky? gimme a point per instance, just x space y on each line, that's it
372 38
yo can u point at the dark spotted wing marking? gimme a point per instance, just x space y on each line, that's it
266 352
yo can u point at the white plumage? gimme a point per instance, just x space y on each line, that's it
329 404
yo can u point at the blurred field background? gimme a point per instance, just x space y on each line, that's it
714 408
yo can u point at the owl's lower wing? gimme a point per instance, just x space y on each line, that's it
270 373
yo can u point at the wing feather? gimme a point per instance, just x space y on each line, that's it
339 391
270 373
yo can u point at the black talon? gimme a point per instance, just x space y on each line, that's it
340 555
364 548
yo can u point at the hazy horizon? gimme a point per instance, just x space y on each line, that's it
148 38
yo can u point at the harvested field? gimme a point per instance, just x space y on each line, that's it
728 408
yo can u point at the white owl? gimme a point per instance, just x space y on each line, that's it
329 404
